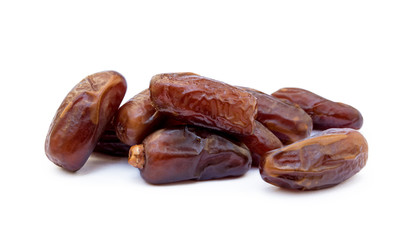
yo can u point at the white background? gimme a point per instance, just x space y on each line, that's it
357 52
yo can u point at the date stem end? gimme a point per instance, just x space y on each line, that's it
137 156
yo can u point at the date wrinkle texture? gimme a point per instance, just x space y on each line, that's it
324 113
321 161
82 117
204 102
189 127
188 153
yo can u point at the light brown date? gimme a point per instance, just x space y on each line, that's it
82 117
136 119
188 153
321 161
204 102
324 113
287 121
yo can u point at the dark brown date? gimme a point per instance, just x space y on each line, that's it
321 161
260 142
170 122
82 117
110 144
288 122
188 153
325 113
204 102
136 119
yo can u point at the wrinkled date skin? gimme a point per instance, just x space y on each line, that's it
325 113
188 153
82 117
136 119
288 122
204 102
321 161
110 144
260 142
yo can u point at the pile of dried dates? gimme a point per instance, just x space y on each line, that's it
189 127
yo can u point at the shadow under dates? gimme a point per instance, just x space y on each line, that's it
191 182
99 161
349 183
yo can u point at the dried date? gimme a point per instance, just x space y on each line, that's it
325 113
260 142
321 161
82 117
287 121
136 119
188 153
204 102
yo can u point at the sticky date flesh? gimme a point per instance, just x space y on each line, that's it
82 117
321 161
324 113
204 102
188 153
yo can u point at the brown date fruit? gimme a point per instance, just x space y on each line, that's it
188 153
325 113
136 119
288 122
321 161
260 142
204 102
82 117
110 144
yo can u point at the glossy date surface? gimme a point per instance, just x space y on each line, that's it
136 119
82 117
188 153
324 113
260 142
321 161
288 122
204 102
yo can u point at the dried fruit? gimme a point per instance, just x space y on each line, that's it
136 119
204 102
260 142
321 161
325 113
82 117
188 153
287 121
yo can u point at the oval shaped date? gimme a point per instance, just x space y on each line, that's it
287 121
325 113
188 153
322 161
204 102
136 119
82 117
